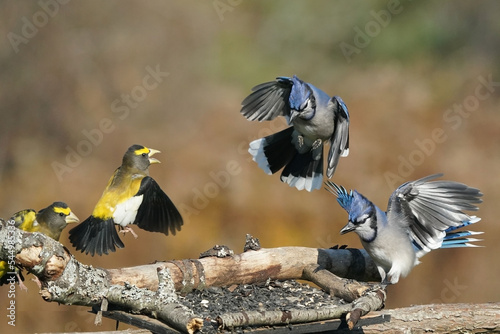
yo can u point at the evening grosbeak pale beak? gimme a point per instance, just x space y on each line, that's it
131 197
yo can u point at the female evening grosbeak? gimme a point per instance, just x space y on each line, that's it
131 197
49 221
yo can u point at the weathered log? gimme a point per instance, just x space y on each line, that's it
252 266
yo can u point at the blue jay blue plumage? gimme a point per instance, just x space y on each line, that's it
421 216
315 118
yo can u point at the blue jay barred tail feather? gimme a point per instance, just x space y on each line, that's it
454 238
421 215
304 172
315 118
273 152
276 151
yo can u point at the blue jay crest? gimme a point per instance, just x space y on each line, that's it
343 197
299 94
353 202
360 206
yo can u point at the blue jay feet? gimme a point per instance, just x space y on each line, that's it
314 117
300 140
317 144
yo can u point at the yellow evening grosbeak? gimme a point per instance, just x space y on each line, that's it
49 221
131 197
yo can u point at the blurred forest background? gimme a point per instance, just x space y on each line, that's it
421 80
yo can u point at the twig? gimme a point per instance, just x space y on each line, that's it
348 290
371 301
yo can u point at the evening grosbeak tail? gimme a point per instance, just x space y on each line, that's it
49 221
131 197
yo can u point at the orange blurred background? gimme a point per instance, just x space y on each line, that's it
421 80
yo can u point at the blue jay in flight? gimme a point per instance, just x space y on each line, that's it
315 119
421 216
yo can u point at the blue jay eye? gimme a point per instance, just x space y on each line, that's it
362 218
306 104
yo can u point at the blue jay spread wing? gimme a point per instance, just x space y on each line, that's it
433 210
339 142
268 100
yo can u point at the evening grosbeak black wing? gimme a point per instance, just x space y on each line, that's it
157 213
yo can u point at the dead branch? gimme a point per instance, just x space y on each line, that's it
274 318
348 290
371 301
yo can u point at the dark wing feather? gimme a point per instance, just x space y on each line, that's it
157 213
431 208
339 142
268 100
95 235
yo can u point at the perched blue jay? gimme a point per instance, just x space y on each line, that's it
421 216
315 118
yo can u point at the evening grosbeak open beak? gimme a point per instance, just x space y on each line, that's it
131 197
50 221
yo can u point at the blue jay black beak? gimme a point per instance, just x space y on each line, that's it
348 228
293 115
